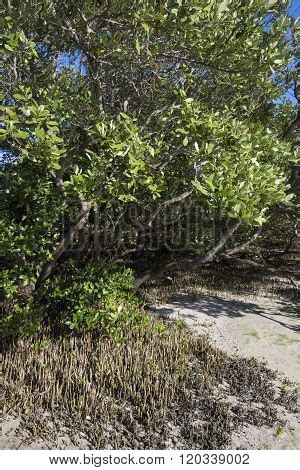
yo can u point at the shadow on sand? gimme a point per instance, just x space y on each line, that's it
214 307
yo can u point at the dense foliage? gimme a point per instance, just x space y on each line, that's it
116 115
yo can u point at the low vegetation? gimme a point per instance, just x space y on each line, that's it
161 386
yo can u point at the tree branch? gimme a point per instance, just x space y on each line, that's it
243 246
165 204
189 264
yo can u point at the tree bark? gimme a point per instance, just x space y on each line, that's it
243 246
65 242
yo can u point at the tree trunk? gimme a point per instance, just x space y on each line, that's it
65 242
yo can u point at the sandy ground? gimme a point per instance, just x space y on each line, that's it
14 436
260 327
263 328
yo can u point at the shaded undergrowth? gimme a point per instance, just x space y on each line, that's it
230 280
162 386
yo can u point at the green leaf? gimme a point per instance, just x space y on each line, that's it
152 151
21 135
11 113
236 208
185 141
22 37
289 197
146 27
223 6
55 165
18 96
209 148
3 134
260 219
209 181
125 116
8 47
137 46
200 188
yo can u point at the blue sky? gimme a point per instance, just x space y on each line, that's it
295 8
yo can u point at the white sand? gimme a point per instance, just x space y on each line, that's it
262 328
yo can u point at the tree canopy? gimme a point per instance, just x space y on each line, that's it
118 113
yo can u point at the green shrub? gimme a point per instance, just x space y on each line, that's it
81 298
21 316
95 296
